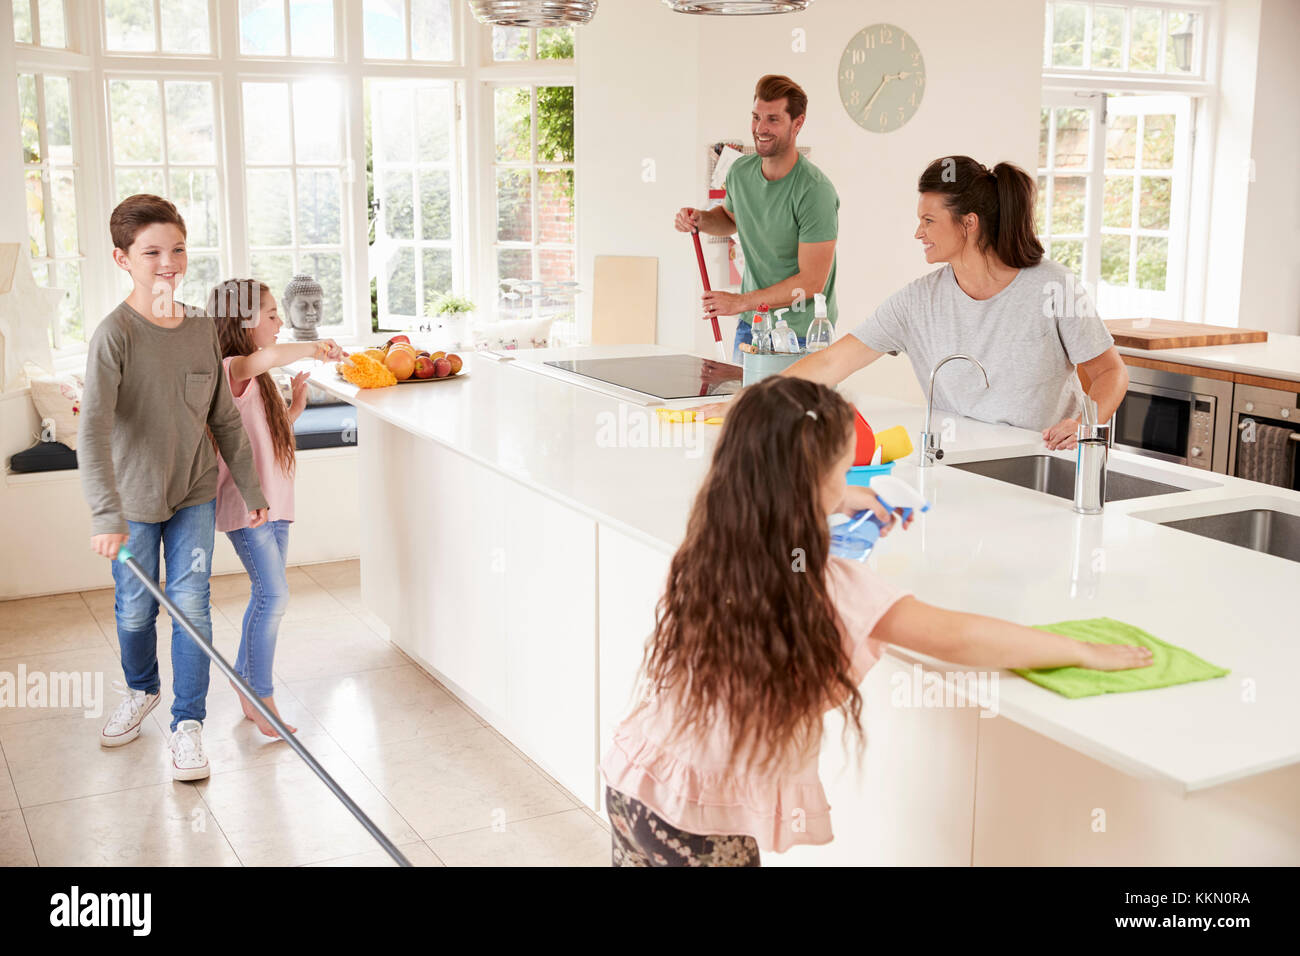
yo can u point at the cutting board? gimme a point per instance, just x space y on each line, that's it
1166 334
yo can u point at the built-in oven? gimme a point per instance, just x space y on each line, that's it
1252 407
1176 417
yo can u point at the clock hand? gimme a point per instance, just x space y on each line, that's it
883 80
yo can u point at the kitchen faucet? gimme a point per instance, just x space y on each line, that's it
930 449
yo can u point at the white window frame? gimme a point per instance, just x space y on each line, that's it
34 14
1202 55
158 50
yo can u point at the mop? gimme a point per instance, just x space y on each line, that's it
704 277
127 558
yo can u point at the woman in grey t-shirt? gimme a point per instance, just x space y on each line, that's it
1027 319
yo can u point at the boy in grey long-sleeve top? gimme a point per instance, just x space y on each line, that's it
154 386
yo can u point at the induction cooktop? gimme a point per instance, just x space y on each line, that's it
663 376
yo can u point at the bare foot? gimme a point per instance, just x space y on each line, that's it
264 725
249 712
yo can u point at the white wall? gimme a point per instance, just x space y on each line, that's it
1270 276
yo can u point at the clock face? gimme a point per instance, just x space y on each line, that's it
882 77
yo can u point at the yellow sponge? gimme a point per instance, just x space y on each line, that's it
894 443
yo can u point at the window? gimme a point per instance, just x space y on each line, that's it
158 26
417 249
1123 38
51 173
293 159
40 23
286 28
163 137
520 43
386 36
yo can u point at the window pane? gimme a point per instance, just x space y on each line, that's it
133 181
1180 40
27 120
190 134
194 191
1040 206
1158 141
1044 134
555 43
514 205
395 125
36 214
555 124
513 121
400 273
63 192
1117 207
50 13
1153 208
433 112
1072 131
269 221
311 24
275 269
1152 256
514 264
1108 37
435 204
316 122
185 26
555 206
202 273
1067 34
266 123
385 33
431 29
137 121
555 265
398 205
437 273
1114 259
67 276
1121 142
509 43
22 21
1067 205
327 269
129 24
1144 47
319 207
58 119
1069 253
261 27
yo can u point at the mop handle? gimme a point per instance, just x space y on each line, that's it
704 277
127 558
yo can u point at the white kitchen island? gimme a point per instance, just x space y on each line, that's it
517 528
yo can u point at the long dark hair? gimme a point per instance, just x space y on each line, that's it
234 306
746 631
1002 198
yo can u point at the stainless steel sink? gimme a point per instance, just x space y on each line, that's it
1055 476
1260 529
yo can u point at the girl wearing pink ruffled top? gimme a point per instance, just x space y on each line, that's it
761 631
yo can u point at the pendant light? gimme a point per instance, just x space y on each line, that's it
731 8
533 13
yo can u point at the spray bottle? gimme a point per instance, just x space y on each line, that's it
854 537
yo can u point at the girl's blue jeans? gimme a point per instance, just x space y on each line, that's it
185 540
265 554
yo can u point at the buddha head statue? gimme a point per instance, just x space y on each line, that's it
302 305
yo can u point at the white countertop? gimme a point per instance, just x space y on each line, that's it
1279 357
986 547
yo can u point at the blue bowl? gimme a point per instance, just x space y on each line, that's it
862 474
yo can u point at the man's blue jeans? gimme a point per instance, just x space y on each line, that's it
185 540
265 553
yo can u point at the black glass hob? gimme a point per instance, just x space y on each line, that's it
665 377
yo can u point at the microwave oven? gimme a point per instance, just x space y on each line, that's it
1175 417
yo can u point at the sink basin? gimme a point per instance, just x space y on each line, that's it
1055 476
1260 529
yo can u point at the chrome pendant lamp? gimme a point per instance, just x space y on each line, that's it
731 8
533 13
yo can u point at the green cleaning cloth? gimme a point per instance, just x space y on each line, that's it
1169 664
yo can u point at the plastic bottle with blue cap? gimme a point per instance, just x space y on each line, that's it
855 536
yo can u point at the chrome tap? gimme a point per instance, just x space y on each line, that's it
930 449
1090 461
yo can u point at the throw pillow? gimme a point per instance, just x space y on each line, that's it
58 403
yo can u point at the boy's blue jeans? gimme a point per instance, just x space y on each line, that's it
185 540
265 554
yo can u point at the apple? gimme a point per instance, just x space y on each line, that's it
424 367
441 368
423 355
398 338
456 363
401 363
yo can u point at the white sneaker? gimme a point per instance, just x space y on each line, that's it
189 762
124 726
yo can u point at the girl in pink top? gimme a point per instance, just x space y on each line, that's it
247 324
761 631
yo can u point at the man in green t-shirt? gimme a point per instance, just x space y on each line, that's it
785 213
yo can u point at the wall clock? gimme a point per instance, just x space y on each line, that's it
882 77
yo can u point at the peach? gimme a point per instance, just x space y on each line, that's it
456 363
401 363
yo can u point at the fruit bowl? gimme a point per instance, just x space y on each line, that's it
410 365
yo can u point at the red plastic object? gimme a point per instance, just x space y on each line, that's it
866 440
704 277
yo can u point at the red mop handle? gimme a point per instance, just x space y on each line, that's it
704 277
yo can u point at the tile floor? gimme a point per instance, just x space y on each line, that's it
446 788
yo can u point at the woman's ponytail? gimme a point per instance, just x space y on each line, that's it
1016 243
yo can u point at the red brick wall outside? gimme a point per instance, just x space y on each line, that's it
554 225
